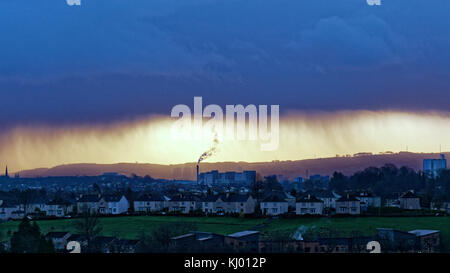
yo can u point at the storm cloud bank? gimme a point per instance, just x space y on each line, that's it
108 61
302 135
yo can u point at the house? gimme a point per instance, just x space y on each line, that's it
349 205
309 204
428 241
59 239
236 203
321 245
149 203
418 240
58 207
274 246
410 201
184 204
290 199
104 244
113 204
247 241
440 205
125 246
274 205
392 200
392 240
328 197
11 210
88 203
369 199
35 206
198 242
209 204
344 245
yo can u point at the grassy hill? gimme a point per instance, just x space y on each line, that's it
290 169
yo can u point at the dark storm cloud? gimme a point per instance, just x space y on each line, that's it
110 60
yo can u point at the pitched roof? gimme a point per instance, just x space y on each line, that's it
394 231
91 198
182 236
309 199
364 194
243 233
409 194
58 201
183 198
112 197
211 198
320 193
423 232
347 198
325 194
235 198
273 198
150 198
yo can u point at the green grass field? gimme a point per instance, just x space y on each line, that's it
130 227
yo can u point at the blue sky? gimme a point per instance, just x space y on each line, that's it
110 60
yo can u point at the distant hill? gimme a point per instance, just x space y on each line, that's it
290 169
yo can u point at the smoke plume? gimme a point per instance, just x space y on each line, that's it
211 150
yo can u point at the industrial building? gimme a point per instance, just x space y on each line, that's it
217 178
433 166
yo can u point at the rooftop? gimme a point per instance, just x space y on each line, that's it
423 232
309 199
183 236
243 233
409 194
347 198
273 198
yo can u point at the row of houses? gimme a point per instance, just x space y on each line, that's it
248 241
349 204
58 207
99 244
118 204
310 205
275 203
213 204
391 240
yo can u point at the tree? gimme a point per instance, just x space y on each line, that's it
160 239
338 182
2 247
129 195
294 192
25 198
89 225
96 189
271 184
28 239
256 188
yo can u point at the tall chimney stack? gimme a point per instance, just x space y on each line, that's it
197 175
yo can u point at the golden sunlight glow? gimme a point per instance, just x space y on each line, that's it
302 135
